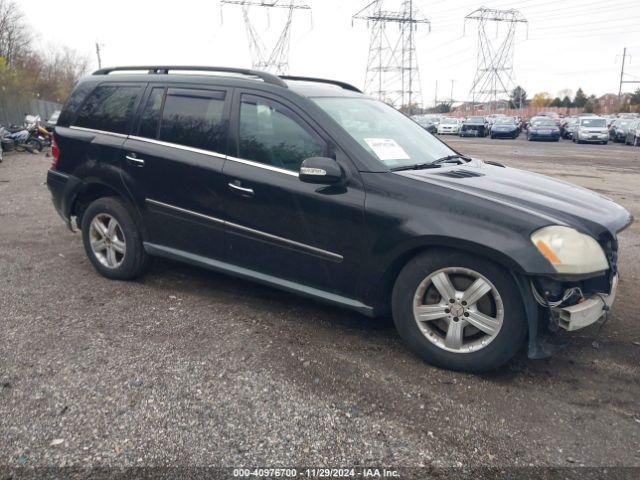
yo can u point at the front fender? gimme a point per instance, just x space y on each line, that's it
388 266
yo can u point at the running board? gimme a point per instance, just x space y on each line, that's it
245 273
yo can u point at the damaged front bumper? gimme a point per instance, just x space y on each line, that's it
587 311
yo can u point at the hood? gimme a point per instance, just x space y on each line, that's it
544 127
555 202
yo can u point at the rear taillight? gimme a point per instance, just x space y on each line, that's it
55 152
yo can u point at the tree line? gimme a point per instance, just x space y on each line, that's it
518 98
31 72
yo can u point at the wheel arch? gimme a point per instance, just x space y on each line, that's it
90 190
403 257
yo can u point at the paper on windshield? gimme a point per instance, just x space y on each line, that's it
387 149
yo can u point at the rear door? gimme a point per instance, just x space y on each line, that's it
173 166
92 142
278 225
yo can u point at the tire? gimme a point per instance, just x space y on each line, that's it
131 260
34 145
604 143
476 357
636 142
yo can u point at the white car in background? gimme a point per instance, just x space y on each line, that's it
448 126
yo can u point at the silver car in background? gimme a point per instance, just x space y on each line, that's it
447 125
592 130
633 133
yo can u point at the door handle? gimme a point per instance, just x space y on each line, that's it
240 189
138 162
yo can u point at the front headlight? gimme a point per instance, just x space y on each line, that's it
570 251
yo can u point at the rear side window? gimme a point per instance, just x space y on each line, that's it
109 108
194 118
271 133
73 103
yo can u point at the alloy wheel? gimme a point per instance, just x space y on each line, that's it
458 309
107 240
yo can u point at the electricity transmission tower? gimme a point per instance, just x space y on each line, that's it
622 73
494 71
392 70
275 60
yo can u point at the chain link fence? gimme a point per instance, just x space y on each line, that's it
14 108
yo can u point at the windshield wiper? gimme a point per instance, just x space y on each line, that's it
442 160
434 164
415 166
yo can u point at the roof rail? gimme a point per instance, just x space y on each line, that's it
164 69
346 86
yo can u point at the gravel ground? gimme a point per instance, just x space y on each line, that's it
190 367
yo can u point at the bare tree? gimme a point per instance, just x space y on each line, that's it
28 72
58 71
15 36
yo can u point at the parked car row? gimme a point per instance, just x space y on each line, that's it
625 130
587 128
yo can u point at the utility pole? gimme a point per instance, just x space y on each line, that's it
392 70
624 57
451 97
98 55
435 97
622 80
409 111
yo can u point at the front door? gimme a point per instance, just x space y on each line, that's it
278 225
174 167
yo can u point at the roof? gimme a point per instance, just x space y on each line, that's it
306 86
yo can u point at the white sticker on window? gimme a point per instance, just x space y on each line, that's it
387 149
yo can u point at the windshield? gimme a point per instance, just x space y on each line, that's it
475 120
593 122
623 123
449 121
544 123
383 131
505 121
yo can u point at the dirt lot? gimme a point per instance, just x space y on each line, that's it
190 367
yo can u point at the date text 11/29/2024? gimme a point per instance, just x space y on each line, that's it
316 473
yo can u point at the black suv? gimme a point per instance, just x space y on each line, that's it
310 186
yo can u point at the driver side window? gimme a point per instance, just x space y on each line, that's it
272 134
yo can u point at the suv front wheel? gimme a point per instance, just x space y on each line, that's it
112 239
458 311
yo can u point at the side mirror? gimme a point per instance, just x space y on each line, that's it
320 170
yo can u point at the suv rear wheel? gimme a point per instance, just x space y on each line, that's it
112 239
458 311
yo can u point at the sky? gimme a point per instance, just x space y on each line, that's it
567 44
